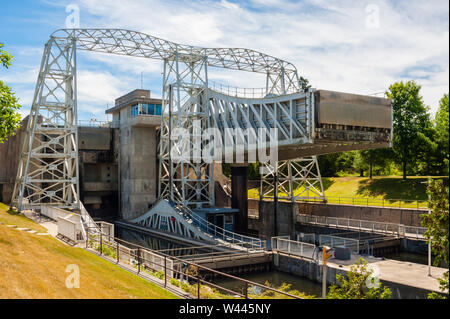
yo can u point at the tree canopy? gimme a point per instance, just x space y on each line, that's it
359 284
9 118
411 122
437 224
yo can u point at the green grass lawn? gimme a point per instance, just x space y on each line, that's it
379 191
34 266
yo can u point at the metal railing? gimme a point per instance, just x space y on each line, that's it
292 247
90 123
336 241
87 222
236 91
220 233
142 260
306 238
389 229
367 201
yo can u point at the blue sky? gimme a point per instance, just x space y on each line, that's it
351 46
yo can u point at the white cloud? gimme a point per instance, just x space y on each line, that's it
328 41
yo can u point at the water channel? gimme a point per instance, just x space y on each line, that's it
275 278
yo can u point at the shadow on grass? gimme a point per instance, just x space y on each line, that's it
412 188
326 182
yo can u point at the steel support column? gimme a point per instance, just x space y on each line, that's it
48 165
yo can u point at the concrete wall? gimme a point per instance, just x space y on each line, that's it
261 215
9 160
97 163
405 216
264 223
137 165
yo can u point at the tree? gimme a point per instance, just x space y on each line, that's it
442 132
304 83
356 286
410 120
369 158
9 118
5 57
437 224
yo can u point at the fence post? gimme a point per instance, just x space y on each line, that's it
117 251
101 243
87 237
198 282
165 271
138 260
246 289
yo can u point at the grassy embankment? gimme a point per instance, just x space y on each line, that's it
389 191
34 266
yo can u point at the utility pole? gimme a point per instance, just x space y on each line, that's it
275 202
429 241
326 253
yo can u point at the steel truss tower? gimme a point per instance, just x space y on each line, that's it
48 165
184 177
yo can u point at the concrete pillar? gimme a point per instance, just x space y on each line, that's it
239 197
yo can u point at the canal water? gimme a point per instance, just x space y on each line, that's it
275 278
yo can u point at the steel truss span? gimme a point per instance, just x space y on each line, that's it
48 166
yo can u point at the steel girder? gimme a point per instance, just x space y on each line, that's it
292 180
282 75
48 165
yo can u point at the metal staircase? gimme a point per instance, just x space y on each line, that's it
179 220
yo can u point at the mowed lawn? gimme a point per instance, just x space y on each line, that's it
34 266
379 191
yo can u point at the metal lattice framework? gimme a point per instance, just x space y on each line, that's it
294 179
48 168
48 165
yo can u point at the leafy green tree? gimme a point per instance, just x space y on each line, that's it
368 159
410 121
304 83
442 131
9 118
355 286
437 224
